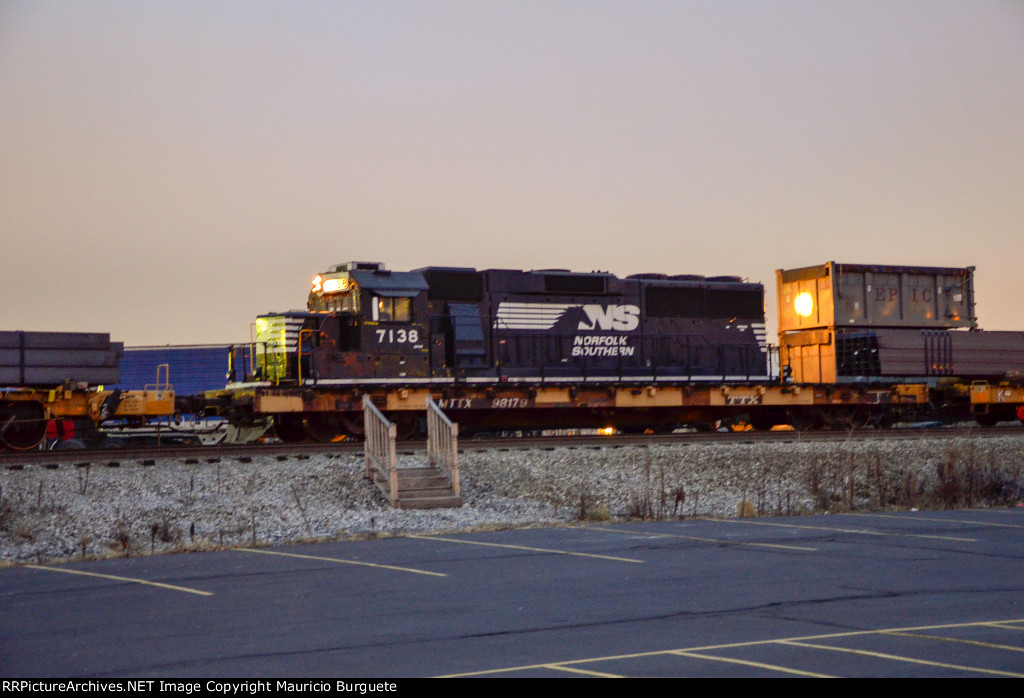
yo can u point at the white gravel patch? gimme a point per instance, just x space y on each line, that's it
133 509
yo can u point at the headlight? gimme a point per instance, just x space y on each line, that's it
335 285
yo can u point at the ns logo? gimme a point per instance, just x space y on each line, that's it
622 318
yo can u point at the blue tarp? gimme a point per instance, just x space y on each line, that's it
193 368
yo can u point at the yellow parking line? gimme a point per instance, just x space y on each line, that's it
1006 625
550 665
942 626
915 517
585 672
733 645
708 540
759 665
122 579
962 641
897 658
341 561
523 547
864 532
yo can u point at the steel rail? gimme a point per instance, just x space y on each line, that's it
284 451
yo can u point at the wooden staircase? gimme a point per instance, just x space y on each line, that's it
432 484
423 487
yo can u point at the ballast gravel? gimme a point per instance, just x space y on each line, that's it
99 510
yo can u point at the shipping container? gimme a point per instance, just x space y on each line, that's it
834 295
843 356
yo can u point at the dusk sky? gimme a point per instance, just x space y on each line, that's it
169 170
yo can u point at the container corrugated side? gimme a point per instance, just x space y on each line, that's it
861 295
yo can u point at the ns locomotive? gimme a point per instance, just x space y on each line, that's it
366 323
442 328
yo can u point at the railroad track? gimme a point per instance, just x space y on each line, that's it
285 451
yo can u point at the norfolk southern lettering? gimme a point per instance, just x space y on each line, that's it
601 346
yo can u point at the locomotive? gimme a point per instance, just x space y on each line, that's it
365 323
446 329
510 349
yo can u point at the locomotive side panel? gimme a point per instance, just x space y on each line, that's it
441 323
556 324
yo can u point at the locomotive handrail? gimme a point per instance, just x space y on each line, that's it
381 455
443 443
298 354
252 349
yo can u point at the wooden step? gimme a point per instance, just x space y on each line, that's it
440 502
422 488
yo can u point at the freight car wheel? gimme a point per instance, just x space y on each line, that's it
764 420
324 428
884 420
985 419
354 426
804 420
406 425
289 428
846 418
22 425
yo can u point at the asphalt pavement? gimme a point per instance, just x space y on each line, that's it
908 594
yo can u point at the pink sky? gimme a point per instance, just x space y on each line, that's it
170 170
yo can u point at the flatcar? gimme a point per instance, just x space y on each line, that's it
54 379
511 349
855 324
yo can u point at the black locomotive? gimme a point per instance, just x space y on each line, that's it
368 325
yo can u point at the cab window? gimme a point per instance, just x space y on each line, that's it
393 309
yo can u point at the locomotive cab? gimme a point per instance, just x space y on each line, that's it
362 321
370 322
337 294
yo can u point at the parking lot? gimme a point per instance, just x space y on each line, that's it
908 594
